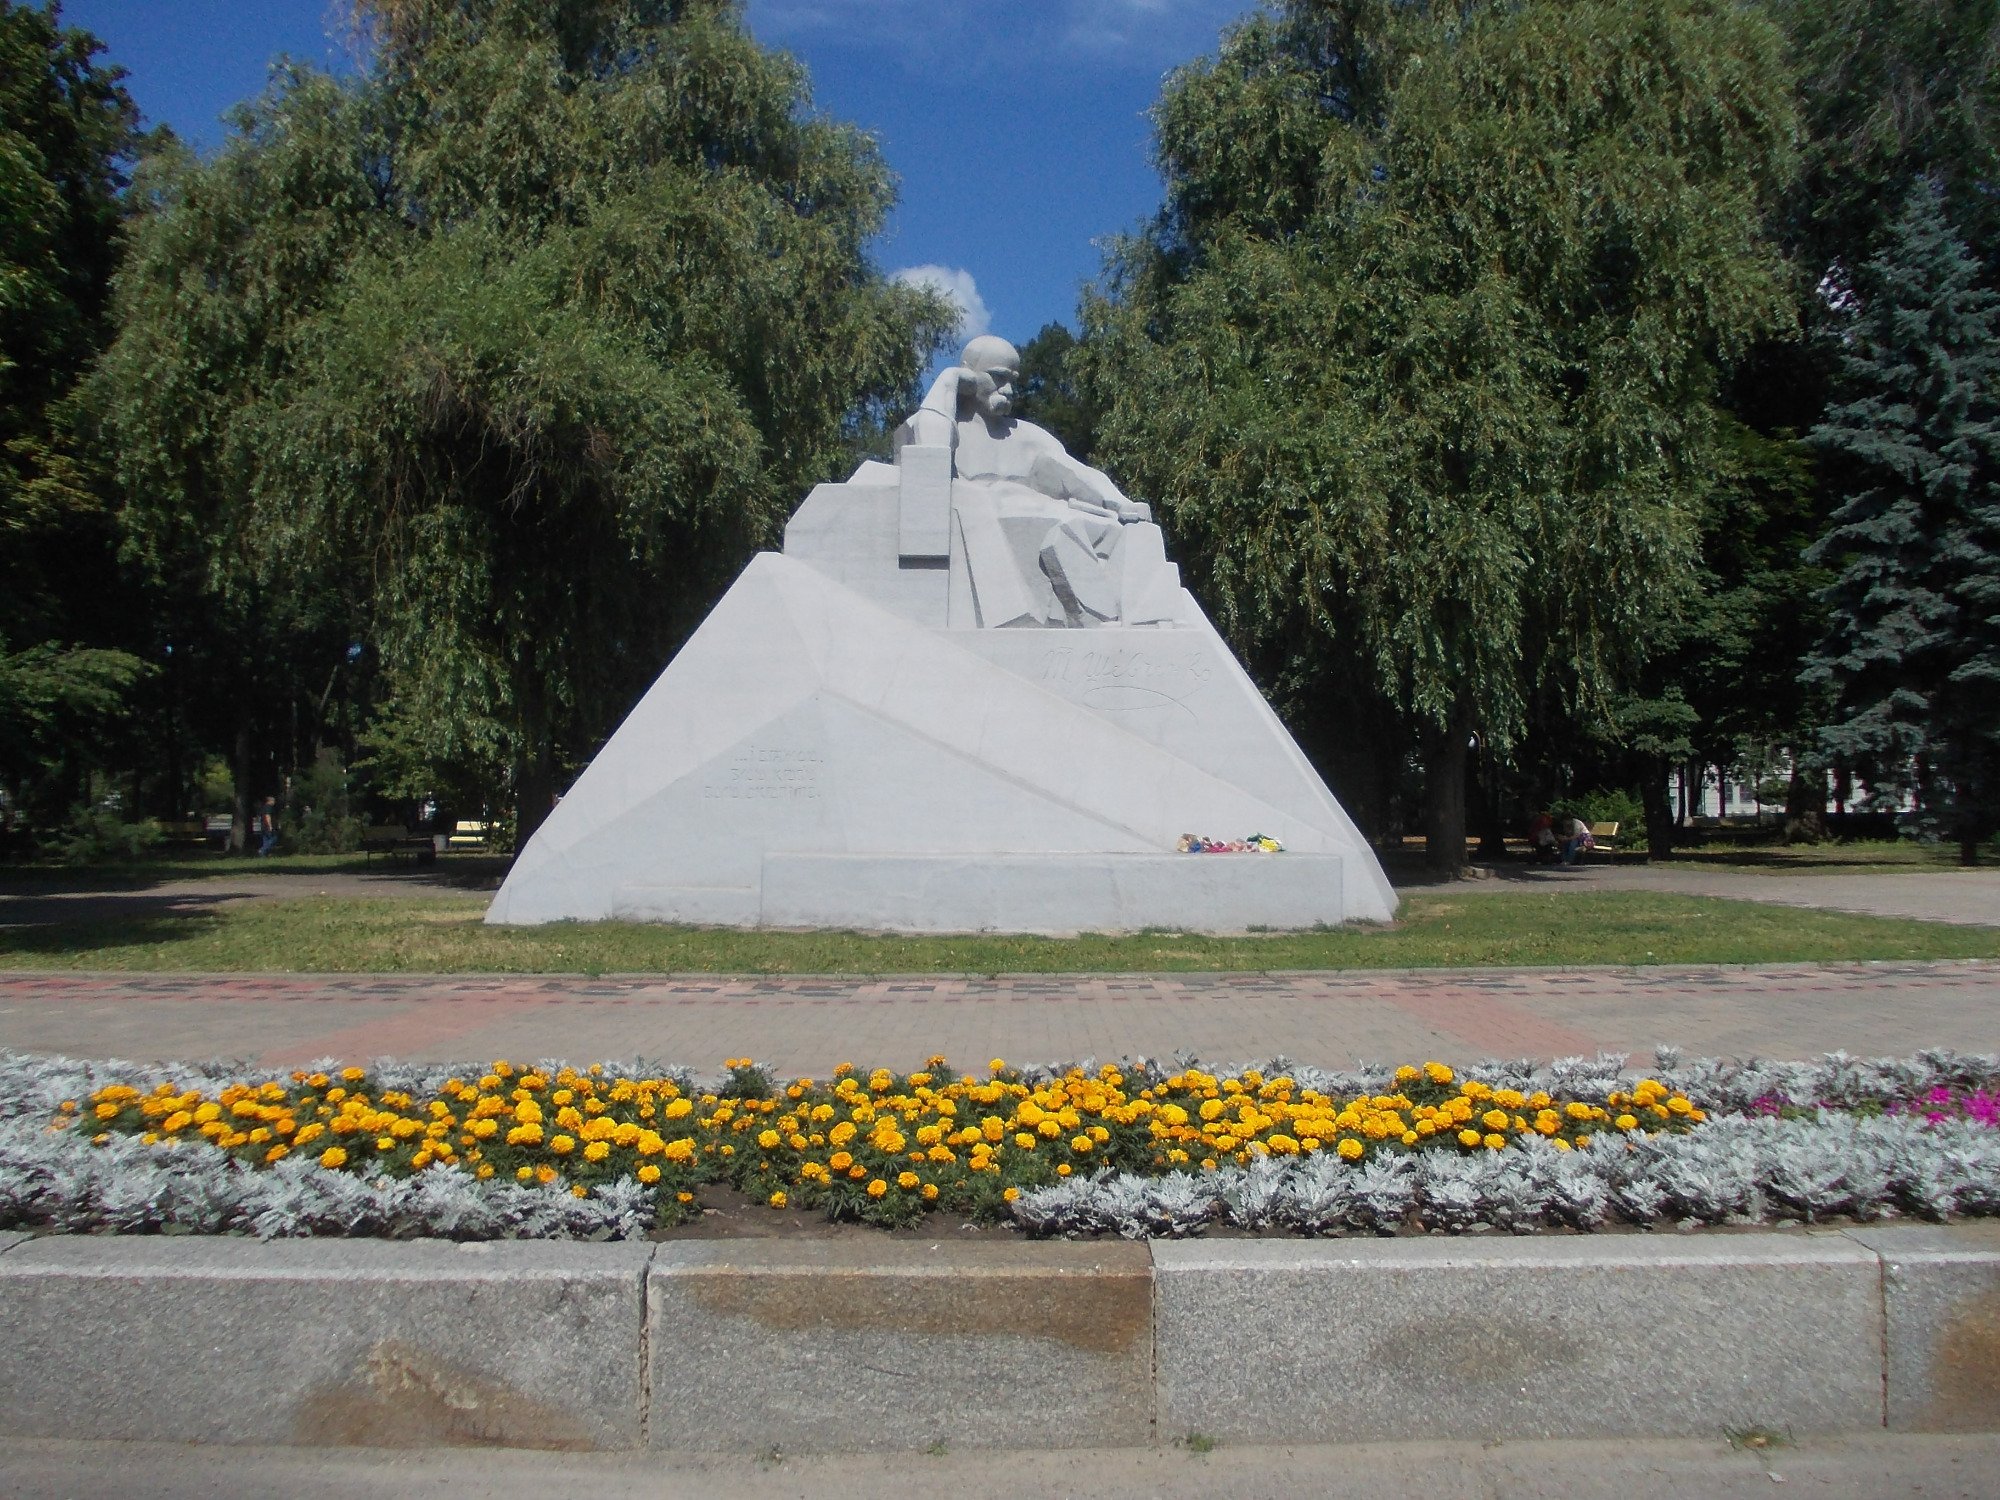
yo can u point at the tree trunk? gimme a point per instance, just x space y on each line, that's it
239 823
1805 803
1444 798
1653 796
1492 830
534 757
1968 849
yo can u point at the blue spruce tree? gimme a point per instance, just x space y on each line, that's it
1912 652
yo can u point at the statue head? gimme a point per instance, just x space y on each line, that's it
998 365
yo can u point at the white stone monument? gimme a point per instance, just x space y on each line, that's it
969 695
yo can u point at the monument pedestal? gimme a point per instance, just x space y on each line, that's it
884 727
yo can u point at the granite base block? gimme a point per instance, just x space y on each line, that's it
1620 1336
325 1343
1941 1290
841 1345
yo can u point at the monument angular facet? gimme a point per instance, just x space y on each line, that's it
969 695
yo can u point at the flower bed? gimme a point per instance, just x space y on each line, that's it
1139 1148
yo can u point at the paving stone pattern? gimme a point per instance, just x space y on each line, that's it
809 1024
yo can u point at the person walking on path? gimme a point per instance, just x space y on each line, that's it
265 825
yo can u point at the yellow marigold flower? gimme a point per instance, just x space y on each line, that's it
679 1109
333 1156
545 1174
1407 1074
1495 1142
353 1075
1680 1105
840 1161
1468 1137
1626 1122
648 1174
877 1188
208 1113
1080 1143
597 1151
1062 1170
1350 1149
1025 1141
1494 1119
997 1065
278 1153
562 1145
907 1180
770 1140
681 1150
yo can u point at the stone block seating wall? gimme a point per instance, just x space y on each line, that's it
866 1342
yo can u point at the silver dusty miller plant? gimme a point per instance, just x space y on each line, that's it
1746 1165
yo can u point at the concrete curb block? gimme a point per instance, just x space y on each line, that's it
893 1343
1941 1299
323 1342
1381 1340
886 1344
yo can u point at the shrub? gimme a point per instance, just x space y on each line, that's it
99 835
1616 806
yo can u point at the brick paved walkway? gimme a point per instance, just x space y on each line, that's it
807 1025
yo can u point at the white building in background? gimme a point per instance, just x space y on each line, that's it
1731 792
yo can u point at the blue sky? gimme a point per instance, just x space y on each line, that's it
1018 127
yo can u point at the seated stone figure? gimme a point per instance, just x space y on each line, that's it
1044 539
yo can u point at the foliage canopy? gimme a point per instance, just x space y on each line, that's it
512 348
1420 357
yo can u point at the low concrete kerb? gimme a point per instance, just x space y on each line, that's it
894 1343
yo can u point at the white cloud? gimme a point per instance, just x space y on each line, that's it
959 288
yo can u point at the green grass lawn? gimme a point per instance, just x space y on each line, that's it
444 935
199 864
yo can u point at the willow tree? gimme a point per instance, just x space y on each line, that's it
1419 357
518 343
68 132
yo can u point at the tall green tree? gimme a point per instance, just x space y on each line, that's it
68 133
1913 653
1420 359
1889 90
515 346
1050 394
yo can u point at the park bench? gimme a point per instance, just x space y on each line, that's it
467 834
394 840
1604 836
